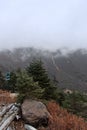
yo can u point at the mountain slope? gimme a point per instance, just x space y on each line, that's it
68 70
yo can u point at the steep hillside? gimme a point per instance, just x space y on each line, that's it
67 69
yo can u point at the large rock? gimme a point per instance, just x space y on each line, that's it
35 113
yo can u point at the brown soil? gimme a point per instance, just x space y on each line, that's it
5 97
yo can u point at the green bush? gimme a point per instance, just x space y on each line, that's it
26 87
39 74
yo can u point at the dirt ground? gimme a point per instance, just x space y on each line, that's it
5 97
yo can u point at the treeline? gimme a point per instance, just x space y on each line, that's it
33 82
72 65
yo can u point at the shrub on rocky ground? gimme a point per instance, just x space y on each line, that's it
62 120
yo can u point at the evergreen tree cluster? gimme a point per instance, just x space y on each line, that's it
34 83
39 74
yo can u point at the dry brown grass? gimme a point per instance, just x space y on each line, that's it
5 97
62 120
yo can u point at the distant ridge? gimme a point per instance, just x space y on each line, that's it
69 68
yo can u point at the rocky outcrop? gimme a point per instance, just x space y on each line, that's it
35 113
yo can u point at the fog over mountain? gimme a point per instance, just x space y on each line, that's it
48 24
67 70
52 30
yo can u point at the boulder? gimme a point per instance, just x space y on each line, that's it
35 113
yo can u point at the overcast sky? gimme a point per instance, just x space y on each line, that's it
43 23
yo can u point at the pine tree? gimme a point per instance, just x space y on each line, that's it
12 81
2 80
27 88
37 71
39 74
